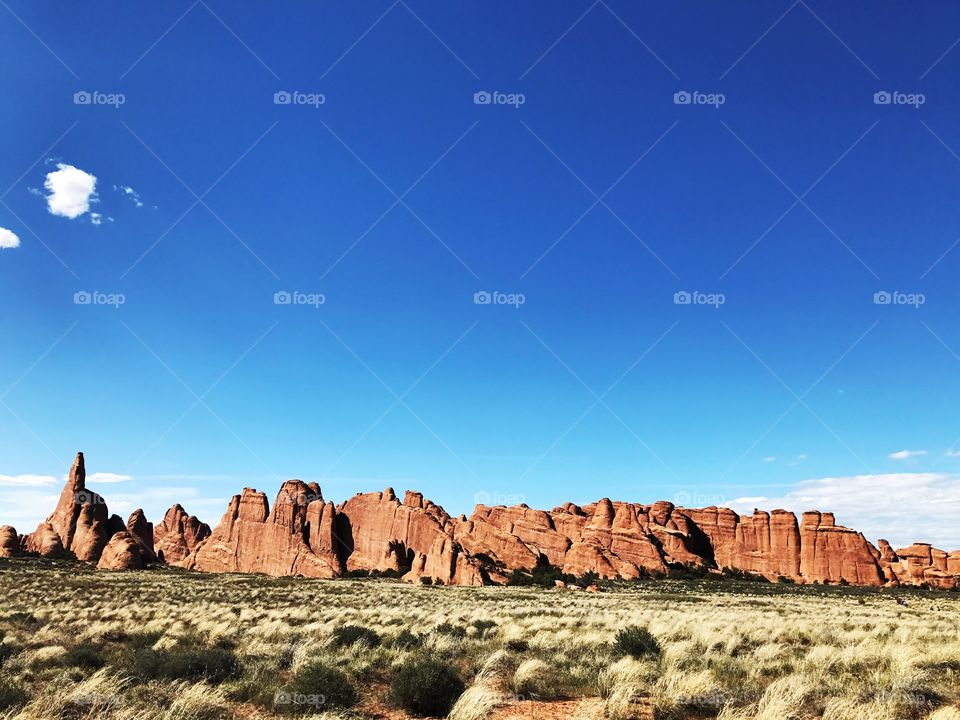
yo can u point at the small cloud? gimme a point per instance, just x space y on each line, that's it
96 218
802 456
907 454
129 193
769 459
952 453
27 480
105 477
70 191
8 239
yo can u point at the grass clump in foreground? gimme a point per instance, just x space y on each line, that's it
637 642
316 686
426 687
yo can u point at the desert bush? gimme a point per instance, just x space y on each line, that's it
405 640
317 679
426 686
349 635
446 628
214 665
517 645
637 642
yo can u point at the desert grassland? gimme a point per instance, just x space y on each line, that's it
169 645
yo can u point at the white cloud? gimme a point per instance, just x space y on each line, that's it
769 459
907 454
130 194
901 507
26 480
8 239
70 191
952 453
105 477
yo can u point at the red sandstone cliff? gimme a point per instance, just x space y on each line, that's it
304 535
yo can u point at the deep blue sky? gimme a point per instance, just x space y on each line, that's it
710 412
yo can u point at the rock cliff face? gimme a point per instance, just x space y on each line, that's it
177 536
414 538
296 538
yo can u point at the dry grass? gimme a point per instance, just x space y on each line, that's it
79 645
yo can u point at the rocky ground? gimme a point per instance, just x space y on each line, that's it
170 644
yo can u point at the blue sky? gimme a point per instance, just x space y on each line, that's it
587 194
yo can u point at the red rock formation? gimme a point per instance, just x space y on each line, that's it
80 520
290 540
178 535
415 538
303 535
141 531
122 552
9 541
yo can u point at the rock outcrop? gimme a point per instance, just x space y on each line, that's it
416 539
178 535
296 538
122 552
9 541
80 522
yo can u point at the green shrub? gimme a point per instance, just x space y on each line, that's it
352 634
214 665
11 694
84 656
406 639
446 628
637 642
426 580
314 685
426 686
